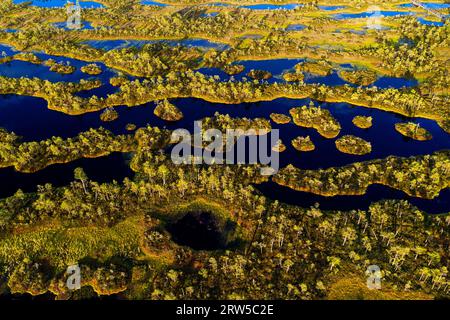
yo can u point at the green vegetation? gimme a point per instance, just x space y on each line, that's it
259 74
34 156
353 145
130 127
319 68
118 232
279 146
361 77
279 118
420 176
167 111
317 118
109 115
303 144
234 69
293 76
59 67
362 122
92 69
413 131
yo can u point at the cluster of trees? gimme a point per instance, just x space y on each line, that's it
363 122
110 114
92 69
280 118
59 95
316 117
153 59
362 77
167 111
413 130
303 144
353 145
420 176
320 68
34 156
286 252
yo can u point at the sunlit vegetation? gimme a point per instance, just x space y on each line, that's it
320 68
259 74
363 122
167 111
59 67
353 145
34 156
233 69
420 176
414 131
130 127
303 144
190 84
233 128
317 118
118 231
223 122
279 118
92 69
28 57
116 220
110 114
361 77
293 76
279 146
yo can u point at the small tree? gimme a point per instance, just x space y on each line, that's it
79 174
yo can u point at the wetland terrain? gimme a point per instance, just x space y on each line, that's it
359 99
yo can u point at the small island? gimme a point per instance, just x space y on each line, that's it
91 69
279 118
59 67
130 127
109 114
293 76
317 118
413 131
27 57
361 77
363 122
353 145
279 147
233 69
259 75
167 111
303 144
319 68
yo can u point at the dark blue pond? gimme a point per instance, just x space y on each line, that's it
430 5
291 6
374 193
280 66
331 8
105 169
59 3
153 3
430 23
6 50
30 118
17 69
119 44
277 67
